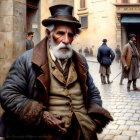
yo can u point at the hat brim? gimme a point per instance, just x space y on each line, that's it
49 21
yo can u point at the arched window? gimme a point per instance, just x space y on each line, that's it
82 3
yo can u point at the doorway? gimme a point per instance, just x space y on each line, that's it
33 19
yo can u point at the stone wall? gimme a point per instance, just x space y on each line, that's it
12 33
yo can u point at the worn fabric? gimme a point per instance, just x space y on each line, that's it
104 70
134 69
24 94
130 58
65 99
29 44
105 55
127 55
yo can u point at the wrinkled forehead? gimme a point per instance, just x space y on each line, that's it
64 28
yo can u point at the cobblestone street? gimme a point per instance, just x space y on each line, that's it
123 106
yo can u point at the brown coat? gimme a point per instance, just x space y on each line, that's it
127 55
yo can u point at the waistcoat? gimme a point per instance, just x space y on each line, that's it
66 98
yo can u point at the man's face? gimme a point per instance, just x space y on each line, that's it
30 36
134 40
63 34
60 41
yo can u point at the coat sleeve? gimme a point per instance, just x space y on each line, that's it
99 56
112 54
99 115
123 57
13 95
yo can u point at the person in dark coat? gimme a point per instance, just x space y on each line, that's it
86 51
49 92
29 41
130 62
118 53
105 57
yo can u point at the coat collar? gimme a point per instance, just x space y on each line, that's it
40 58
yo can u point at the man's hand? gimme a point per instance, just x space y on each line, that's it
126 68
54 122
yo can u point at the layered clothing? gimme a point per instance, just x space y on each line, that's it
26 92
105 57
130 58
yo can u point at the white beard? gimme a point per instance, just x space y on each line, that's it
60 53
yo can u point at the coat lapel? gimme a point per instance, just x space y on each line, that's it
72 76
82 74
40 59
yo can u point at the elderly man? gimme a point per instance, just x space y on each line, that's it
130 62
49 92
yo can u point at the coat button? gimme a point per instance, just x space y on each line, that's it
67 103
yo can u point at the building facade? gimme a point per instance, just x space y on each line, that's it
12 33
98 21
111 19
127 20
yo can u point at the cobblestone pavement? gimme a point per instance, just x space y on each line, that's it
123 106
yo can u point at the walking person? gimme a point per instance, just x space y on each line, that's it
105 57
118 53
29 41
130 62
49 93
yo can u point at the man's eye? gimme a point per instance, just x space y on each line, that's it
70 35
60 33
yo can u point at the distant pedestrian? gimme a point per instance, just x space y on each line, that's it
118 53
105 57
86 51
80 50
91 52
130 62
29 41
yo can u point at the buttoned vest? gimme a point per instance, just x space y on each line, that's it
66 98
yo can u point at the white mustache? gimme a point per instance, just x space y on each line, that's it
62 45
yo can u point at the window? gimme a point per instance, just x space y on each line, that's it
125 1
82 3
84 21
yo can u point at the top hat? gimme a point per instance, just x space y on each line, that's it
61 14
131 35
104 40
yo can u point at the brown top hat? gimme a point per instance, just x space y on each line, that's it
61 14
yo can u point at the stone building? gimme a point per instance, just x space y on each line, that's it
127 20
12 33
17 17
111 19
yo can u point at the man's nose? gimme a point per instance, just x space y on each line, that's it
66 39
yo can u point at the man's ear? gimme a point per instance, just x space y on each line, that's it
48 34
